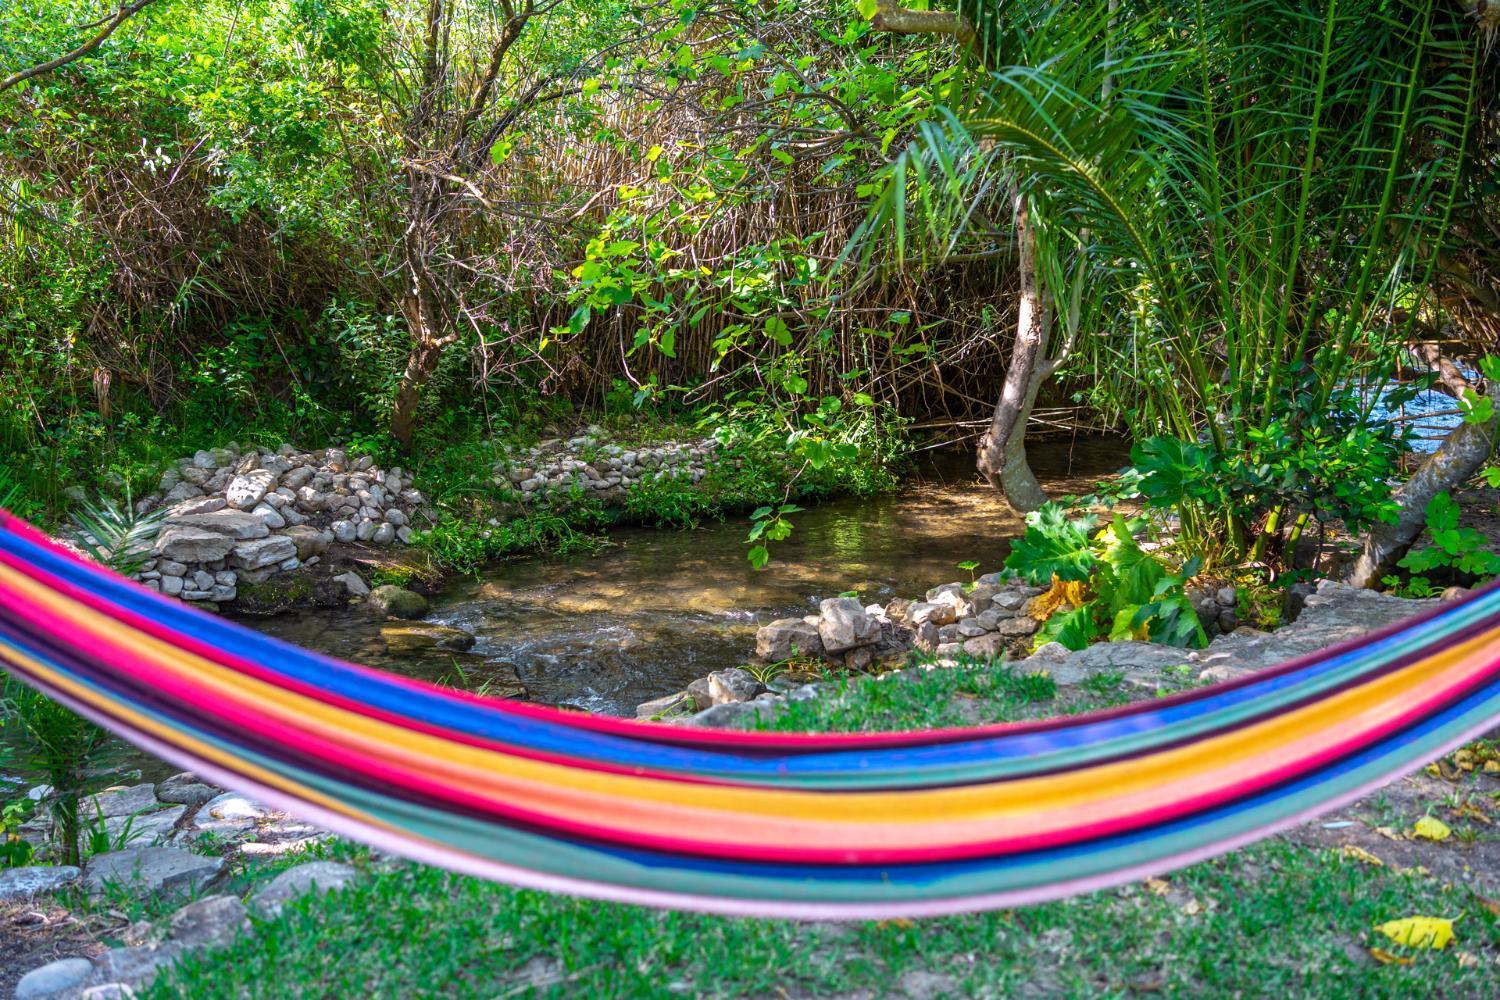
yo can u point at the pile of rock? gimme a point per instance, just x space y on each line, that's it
236 518
605 472
162 830
1217 607
986 618
1333 613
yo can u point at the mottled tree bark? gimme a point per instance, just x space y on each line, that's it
1002 450
1457 460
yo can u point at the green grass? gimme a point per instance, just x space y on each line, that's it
1273 920
1276 919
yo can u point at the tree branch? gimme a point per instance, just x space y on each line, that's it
123 14
902 21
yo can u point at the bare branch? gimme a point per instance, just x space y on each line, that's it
125 13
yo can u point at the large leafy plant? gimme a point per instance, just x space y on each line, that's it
1117 589
1455 548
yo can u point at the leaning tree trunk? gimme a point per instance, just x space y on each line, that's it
421 306
1002 449
1457 460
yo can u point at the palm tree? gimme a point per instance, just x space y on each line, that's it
1237 188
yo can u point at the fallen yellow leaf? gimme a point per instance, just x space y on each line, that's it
1419 932
1157 886
1388 833
1356 853
1464 760
1431 828
1467 959
1192 908
1472 811
1433 770
900 923
1492 766
1386 958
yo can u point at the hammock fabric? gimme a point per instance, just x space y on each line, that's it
787 825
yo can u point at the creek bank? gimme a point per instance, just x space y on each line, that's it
234 522
1330 613
604 471
263 531
188 861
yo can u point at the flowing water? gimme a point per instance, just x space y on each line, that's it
658 609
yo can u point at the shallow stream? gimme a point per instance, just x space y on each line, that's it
658 609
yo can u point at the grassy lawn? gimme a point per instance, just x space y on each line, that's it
1283 918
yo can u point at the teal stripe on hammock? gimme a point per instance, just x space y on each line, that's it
494 842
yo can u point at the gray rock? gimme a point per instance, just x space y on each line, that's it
364 530
234 523
249 489
122 801
233 806
843 625
193 545
171 586
927 638
409 638
168 567
344 531
268 515
152 870
137 966
384 534
24 883
186 789
1024 625
781 638
732 685
987 646
395 516
937 614
1227 596
202 580
211 922
1010 600
971 627
353 584
699 691
108 991
197 505
724 716
263 552
664 705
144 829
297 478
315 876
53 978
395 602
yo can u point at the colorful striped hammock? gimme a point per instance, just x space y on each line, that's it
786 825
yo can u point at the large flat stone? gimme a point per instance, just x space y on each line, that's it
145 829
186 789
53 978
236 524
121 801
24 883
315 876
211 922
148 870
262 552
193 545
